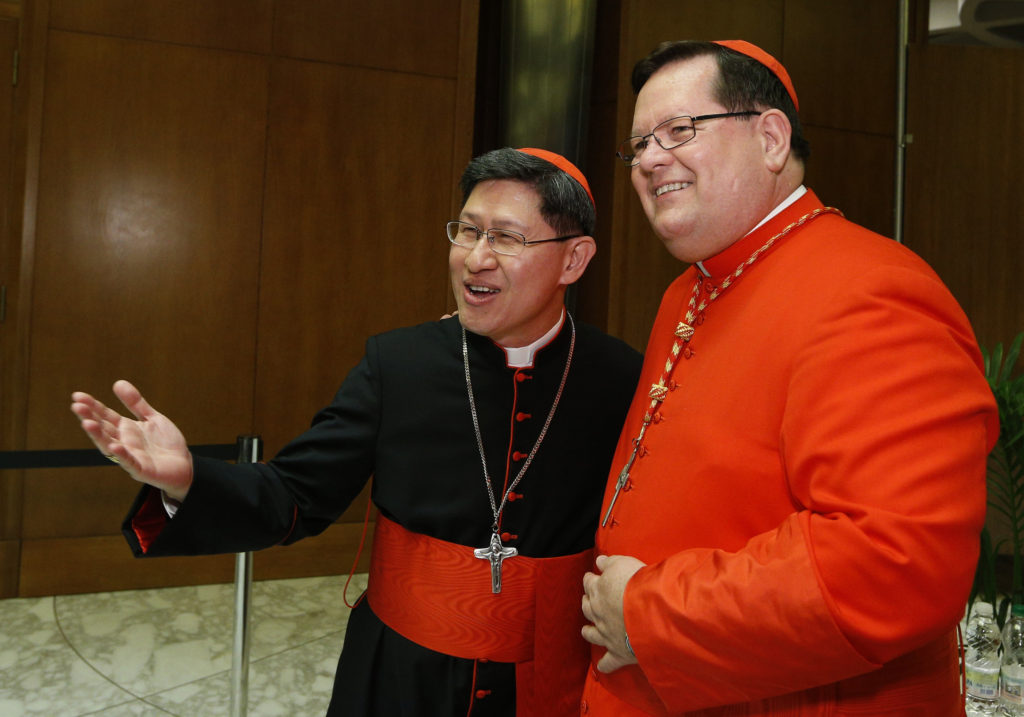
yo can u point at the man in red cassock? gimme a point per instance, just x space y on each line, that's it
791 522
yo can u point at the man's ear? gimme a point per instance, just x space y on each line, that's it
775 135
577 256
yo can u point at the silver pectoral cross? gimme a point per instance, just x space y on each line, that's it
496 553
624 475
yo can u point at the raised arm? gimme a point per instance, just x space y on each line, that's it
149 447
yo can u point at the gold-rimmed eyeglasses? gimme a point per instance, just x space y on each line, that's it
501 241
669 134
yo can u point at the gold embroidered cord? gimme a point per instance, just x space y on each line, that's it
684 332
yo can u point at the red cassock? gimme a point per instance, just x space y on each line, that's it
808 496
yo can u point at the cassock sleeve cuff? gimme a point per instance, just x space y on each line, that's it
149 520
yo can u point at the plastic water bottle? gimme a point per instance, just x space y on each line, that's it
981 662
1011 681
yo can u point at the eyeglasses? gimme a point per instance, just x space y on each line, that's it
501 241
669 134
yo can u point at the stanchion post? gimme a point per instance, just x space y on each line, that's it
250 449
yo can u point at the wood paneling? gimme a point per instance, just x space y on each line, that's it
75 502
964 208
191 176
148 233
148 228
354 232
422 37
11 346
243 25
61 566
8 247
10 562
646 23
853 171
843 63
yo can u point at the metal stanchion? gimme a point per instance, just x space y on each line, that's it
249 451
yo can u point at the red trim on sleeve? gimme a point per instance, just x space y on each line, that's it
291 528
150 520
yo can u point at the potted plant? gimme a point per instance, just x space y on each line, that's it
1005 479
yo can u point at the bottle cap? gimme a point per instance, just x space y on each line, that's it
982 608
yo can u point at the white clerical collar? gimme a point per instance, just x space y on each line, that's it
522 356
797 193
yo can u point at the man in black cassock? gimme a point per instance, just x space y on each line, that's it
489 438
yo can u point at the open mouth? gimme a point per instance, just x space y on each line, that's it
674 186
477 290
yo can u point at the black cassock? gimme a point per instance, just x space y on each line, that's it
402 415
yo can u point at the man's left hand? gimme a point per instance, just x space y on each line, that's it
602 606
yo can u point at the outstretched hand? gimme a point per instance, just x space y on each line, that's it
150 448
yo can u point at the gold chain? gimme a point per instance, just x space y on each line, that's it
684 332
685 329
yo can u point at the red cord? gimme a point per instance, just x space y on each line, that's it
963 666
472 691
355 563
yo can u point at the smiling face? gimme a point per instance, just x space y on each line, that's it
513 300
704 195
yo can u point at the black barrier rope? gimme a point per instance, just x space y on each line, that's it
246 449
89 457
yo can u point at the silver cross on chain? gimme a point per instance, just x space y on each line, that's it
496 553
624 475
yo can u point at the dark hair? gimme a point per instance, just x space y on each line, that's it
564 203
743 83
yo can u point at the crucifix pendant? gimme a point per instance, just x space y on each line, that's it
495 553
624 475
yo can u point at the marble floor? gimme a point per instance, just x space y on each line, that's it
153 653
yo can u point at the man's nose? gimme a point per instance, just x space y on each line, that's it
481 257
654 155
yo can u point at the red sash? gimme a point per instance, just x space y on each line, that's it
438 595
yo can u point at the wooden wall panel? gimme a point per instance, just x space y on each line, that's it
354 238
61 566
75 502
422 37
10 564
149 206
964 208
853 171
843 63
10 256
646 23
174 140
243 25
13 337
8 248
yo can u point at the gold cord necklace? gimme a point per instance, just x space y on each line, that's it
684 332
